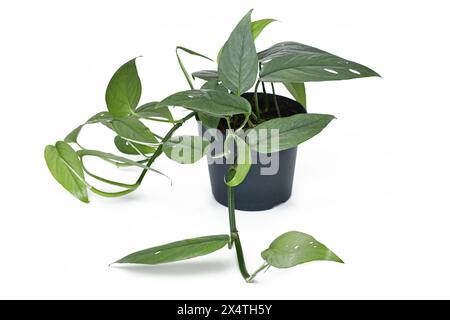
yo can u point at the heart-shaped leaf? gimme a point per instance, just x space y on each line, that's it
179 250
132 129
285 133
124 90
186 149
65 166
293 248
259 25
129 147
243 162
154 110
213 102
238 64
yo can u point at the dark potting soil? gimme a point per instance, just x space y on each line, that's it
266 102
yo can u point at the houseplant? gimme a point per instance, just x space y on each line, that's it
250 124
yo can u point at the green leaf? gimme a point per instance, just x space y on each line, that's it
65 166
228 147
291 131
293 248
192 52
213 102
180 63
214 84
286 48
256 27
186 149
259 25
238 64
154 110
305 66
132 129
206 74
129 147
72 137
298 92
103 116
208 121
243 163
124 90
179 250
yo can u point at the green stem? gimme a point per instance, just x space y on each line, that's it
234 235
114 183
266 98
258 114
263 87
158 120
275 100
159 149
228 122
264 266
124 164
111 194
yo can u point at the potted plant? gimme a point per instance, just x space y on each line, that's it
240 130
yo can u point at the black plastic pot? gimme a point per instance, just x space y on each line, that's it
259 192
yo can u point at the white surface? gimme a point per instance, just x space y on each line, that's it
372 186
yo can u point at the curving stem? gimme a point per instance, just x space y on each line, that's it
159 149
234 235
258 114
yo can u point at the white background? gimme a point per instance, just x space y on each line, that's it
373 186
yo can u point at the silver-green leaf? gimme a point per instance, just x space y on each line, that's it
293 248
288 132
213 102
238 64
312 66
286 48
205 74
179 250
